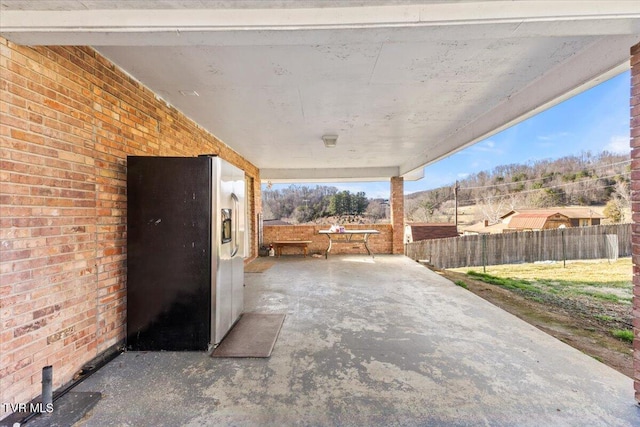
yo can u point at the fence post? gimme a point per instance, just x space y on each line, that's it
484 253
564 251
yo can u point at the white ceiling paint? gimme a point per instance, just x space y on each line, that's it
402 83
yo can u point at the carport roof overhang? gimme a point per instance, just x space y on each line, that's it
401 83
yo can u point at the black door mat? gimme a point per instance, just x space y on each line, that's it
254 335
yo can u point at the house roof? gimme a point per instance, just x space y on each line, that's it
480 228
544 212
578 213
532 220
573 213
425 231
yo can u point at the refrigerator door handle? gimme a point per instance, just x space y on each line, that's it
236 209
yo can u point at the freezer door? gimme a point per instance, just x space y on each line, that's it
168 254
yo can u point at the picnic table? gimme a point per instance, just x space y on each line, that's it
347 236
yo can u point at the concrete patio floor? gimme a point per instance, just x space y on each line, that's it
369 342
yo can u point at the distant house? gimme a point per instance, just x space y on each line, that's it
582 217
484 227
415 232
578 217
537 219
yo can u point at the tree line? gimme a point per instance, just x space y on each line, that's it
302 204
582 180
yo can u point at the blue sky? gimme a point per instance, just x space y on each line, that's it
595 120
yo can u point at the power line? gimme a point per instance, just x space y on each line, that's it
544 188
537 179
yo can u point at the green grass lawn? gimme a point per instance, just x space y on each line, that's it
598 289
597 279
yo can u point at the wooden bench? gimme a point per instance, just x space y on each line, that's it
279 244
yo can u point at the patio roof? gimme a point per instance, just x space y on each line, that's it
401 83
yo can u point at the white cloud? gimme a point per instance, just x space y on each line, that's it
373 190
546 144
618 145
463 175
486 147
553 136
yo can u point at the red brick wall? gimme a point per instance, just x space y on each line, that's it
378 243
635 200
68 119
397 214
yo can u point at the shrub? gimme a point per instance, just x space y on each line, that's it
623 334
461 284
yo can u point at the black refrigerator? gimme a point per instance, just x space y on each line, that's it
186 240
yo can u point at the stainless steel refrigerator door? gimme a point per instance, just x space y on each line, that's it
228 276
240 244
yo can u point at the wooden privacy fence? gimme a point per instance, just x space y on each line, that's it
599 241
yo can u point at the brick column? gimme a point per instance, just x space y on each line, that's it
397 214
254 207
635 208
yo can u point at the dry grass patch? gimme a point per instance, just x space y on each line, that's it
616 273
598 280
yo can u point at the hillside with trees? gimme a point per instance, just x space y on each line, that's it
301 204
582 180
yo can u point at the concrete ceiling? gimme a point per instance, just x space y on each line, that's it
402 83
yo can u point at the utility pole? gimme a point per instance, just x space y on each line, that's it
455 197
